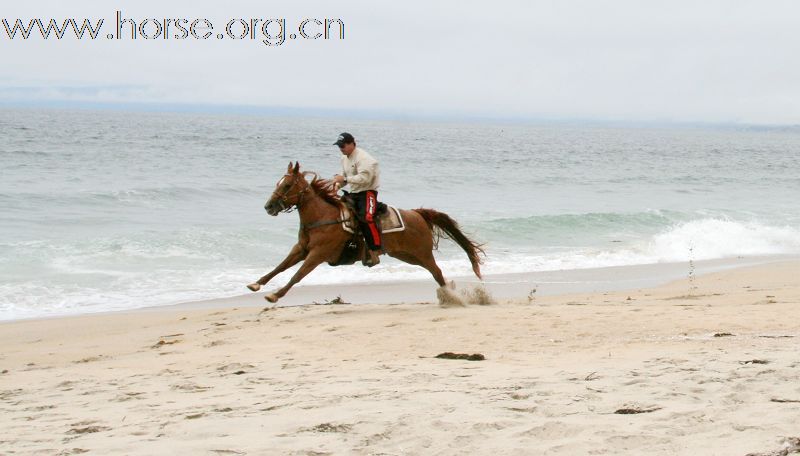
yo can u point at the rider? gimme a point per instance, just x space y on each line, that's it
360 171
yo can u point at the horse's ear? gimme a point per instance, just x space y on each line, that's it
289 169
297 167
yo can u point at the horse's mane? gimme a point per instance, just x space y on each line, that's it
324 188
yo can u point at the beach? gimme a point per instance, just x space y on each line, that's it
609 196
706 364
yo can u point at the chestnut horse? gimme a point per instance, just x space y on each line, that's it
322 237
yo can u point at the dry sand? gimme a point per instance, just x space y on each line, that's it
713 366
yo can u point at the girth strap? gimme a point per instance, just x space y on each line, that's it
318 224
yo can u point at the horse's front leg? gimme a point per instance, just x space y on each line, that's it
314 259
295 256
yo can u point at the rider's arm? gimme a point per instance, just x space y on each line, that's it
344 173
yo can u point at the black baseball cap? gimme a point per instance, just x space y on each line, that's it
344 138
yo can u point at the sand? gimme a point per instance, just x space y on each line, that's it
707 367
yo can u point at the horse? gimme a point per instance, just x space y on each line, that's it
322 237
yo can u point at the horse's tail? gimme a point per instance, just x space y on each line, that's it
445 224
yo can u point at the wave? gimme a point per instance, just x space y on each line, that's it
700 239
143 197
590 219
571 226
720 238
53 277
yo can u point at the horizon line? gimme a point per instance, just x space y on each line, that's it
379 114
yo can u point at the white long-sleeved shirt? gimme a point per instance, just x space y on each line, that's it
361 170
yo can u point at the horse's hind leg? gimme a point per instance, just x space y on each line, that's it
295 256
433 268
446 295
428 263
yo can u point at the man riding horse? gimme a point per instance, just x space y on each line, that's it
323 238
360 171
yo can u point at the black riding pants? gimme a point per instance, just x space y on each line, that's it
367 205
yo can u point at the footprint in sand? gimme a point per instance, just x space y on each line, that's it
169 339
329 427
190 387
89 359
72 451
551 430
86 427
236 368
128 396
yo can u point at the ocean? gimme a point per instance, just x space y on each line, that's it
106 210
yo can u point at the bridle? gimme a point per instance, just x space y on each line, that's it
282 201
283 197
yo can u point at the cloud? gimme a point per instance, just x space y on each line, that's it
720 61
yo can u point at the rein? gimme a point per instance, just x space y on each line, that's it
318 224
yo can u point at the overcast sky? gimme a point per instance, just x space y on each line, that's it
709 61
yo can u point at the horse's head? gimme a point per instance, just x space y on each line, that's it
289 191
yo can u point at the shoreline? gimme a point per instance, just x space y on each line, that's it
500 286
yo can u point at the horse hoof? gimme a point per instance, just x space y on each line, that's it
254 286
272 297
448 297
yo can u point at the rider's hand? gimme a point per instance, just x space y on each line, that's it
339 179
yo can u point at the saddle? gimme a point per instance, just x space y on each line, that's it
388 220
